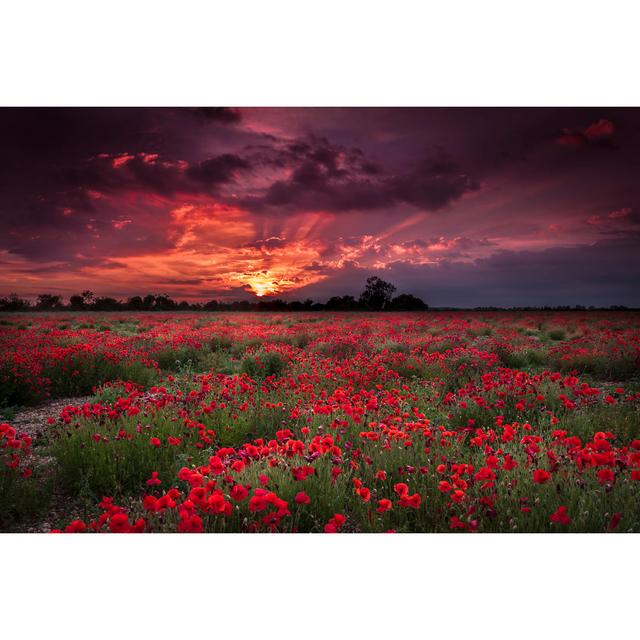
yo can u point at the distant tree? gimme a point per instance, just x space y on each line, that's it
377 294
242 305
135 303
14 303
107 304
148 301
407 302
48 302
88 297
184 305
165 303
76 302
342 303
211 305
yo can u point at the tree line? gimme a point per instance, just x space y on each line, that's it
378 295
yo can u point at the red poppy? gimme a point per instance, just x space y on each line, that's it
384 505
302 498
560 516
412 501
239 492
119 523
401 488
605 476
154 480
615 521
540 476
76 526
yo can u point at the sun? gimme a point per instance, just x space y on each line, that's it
262 283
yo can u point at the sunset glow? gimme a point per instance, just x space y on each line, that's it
461 206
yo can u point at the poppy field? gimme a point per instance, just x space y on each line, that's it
321 422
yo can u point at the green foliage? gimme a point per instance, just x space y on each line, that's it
117 460
21 498
263 364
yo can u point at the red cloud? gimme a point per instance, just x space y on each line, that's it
600 132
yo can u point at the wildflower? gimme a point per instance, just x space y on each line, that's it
76 526
560 516
401 489
412 501
384 505
605 475
119 523
302 498
615 521
540 476
239 492
154 480
334 525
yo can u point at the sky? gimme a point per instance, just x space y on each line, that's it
460 206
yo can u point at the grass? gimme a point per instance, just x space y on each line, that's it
416 399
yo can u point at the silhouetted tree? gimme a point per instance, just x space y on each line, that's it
342 303
106 304
48 302
377 294
406 302
148 301
14 303
211 305
165 303
76 302
135 303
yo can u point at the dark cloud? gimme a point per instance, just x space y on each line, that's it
225 115
218 170
335 178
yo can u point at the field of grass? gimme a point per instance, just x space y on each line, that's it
345 422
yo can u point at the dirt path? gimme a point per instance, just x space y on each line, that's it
33 421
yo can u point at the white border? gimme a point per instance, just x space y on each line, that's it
334 52
306 586
318 54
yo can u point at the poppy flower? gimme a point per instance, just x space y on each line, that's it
155 442
154 480
401 488
540 476
384 505
302 498
615 521
605 475
560 516
412 501
119 523
76 526
239 492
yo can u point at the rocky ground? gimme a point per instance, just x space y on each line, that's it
33 421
